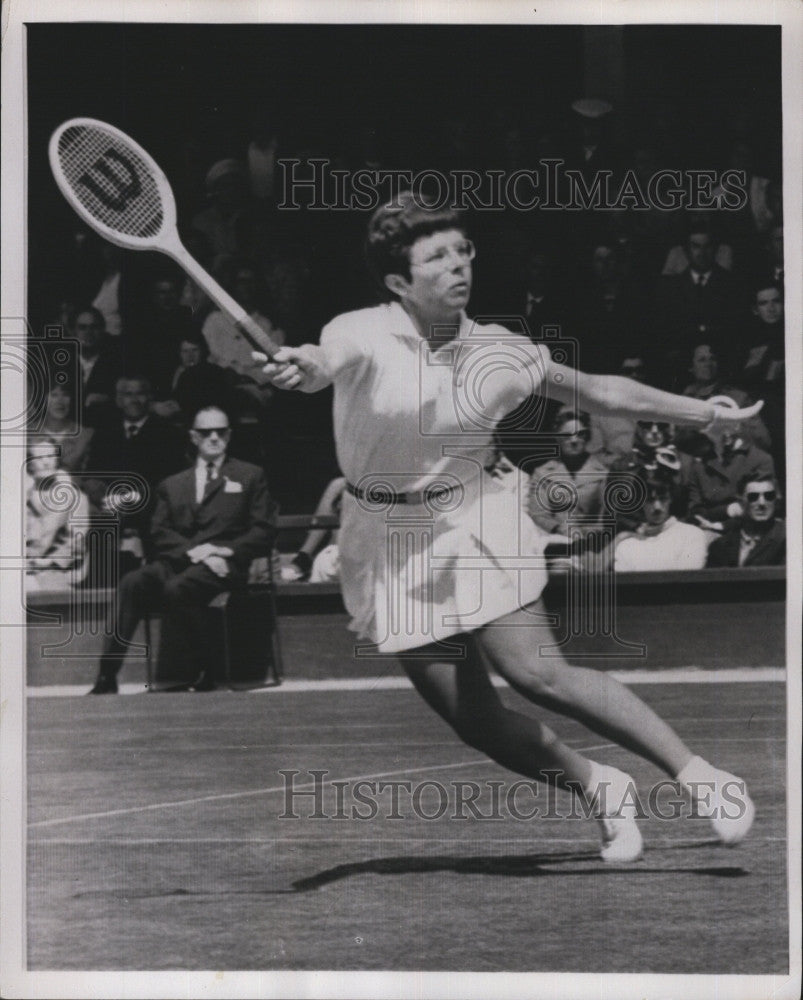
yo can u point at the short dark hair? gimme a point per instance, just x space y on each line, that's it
660 479
756 477
395 227
762 286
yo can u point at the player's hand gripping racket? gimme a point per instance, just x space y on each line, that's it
120 191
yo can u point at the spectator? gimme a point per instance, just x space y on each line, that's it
134 441
56 511
757 537
210 522
653 450
571 485
61 427
227 346
700 302
160 326
101 365
109 297
609 312
660 541
706 382
543 302
222 222
715 477
197 382
318 559
763 365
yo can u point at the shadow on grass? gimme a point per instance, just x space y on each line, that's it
511 866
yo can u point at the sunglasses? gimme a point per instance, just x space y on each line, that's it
754 495
206 431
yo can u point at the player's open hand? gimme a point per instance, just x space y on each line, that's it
300 368
727 413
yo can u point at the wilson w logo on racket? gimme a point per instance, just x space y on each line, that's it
119 190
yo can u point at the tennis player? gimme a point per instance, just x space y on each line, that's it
431 545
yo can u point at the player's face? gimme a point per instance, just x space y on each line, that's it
210 434
440 273
769 305
759 500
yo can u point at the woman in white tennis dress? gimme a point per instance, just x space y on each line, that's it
438 564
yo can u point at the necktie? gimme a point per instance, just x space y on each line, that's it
131 431
211 476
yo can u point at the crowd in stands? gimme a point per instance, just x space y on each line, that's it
689 301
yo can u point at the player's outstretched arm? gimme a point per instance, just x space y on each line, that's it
310 367
616 394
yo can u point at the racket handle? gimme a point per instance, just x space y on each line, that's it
251 330
256 336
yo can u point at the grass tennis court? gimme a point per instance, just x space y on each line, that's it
156 843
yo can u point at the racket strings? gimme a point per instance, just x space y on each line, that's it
112 180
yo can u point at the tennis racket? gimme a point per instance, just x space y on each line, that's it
119 190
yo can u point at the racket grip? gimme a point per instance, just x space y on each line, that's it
256 336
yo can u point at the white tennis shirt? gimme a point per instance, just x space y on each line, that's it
409 418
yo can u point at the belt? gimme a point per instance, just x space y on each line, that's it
381 496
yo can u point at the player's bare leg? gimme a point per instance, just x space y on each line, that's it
612 710
462 694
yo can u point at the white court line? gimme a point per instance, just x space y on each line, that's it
270 841
249 793
675 675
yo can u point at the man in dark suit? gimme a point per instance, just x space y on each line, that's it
135 441
701 302
210 522
758 537
101 365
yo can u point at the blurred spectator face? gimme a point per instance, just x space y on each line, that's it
88 330
573 439
603 263
210 434
59 401
657 507
189 353
769 306
633 368
133 398
701 251
43 460
165 294
704 365
653 434
759 501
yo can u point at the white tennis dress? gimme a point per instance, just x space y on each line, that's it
409 419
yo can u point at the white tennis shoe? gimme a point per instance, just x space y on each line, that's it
722 798
616 809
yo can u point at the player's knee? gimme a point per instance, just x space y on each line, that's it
539 680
